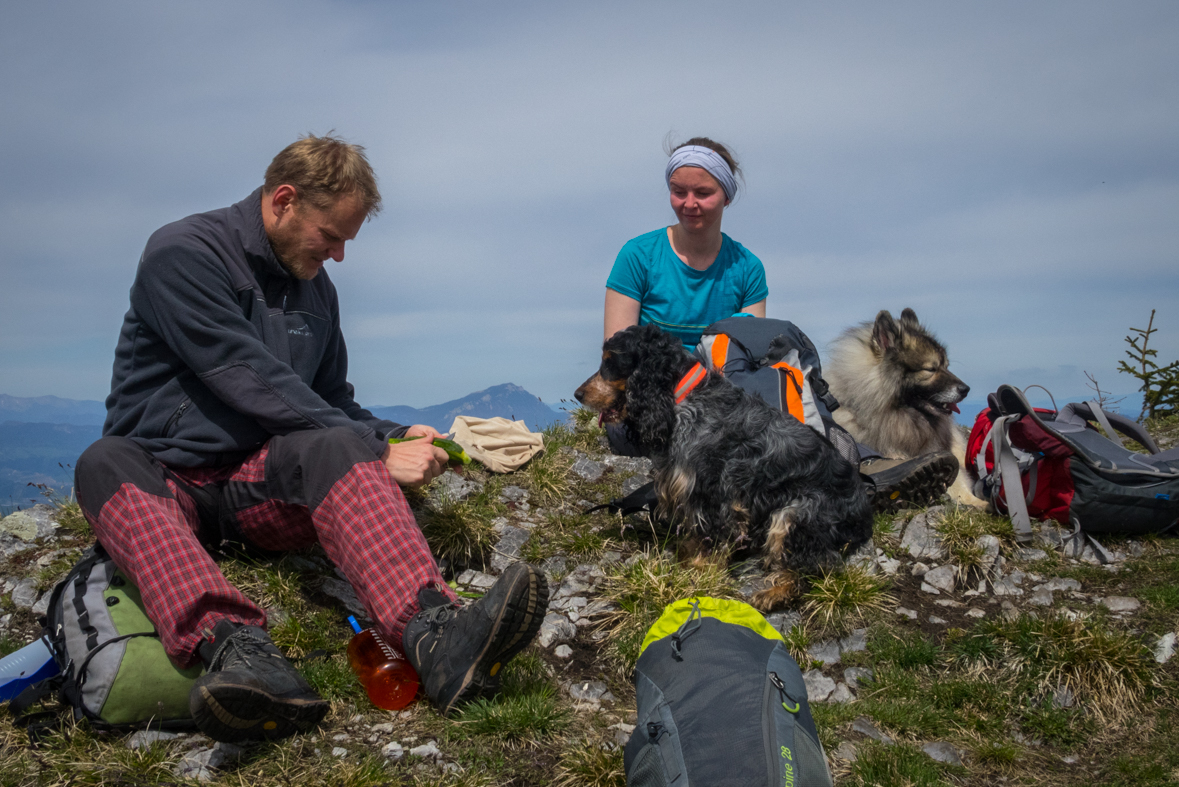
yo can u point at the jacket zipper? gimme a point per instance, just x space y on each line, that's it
175 417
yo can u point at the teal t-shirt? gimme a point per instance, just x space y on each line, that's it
680 299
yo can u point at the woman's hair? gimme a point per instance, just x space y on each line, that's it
712 145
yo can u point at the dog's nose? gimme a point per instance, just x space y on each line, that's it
579 394
963 390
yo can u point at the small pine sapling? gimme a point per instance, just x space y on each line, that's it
1160 384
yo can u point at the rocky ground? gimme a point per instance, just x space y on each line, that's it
939 576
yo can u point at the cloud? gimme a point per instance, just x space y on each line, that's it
1008 170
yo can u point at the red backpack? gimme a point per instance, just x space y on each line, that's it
1068 471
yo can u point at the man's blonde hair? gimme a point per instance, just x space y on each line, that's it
323 169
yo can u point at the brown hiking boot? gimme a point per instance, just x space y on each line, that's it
898 483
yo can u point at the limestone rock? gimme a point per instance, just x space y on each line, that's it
864 726
427 751
25 595
920 539
507 550
857 676
145 738
855 642
555 630
841 694
1059 583
563 652
911 614
514 494
587 469
846 750
452 487
826 652
975 612
1120 604
990 547
942 752
31 524
942 578
818 685
1165 648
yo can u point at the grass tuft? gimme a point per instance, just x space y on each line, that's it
69 516
458 532
901 764
641 590
1107 670
528 708
838 600
547 477
960 530
590 764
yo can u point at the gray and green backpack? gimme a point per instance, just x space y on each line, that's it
114 671
721 702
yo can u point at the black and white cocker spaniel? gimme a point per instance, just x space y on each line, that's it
729 468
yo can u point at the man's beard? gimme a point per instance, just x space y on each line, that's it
290 256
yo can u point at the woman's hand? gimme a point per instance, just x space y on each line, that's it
415 462
622 311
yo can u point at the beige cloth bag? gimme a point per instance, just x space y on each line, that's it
501 445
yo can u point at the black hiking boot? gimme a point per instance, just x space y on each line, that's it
895 483
458 651
250 691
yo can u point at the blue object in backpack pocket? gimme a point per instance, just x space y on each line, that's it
31 664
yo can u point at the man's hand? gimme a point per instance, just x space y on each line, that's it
416 462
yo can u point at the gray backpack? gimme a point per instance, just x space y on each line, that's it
721 702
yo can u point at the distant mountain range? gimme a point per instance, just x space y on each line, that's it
42 437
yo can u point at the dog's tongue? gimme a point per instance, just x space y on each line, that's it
954 407
601 418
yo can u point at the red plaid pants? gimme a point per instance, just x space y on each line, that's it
297 490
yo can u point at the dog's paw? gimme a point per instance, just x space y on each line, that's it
784 590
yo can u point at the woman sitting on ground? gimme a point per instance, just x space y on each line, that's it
687 276
690 275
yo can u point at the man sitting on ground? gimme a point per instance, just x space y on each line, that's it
231 419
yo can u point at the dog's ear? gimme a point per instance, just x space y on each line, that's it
885 333
650 390
909 320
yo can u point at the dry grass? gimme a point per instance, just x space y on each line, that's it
840 599
960 528
459 532
643 586
586 763
1109 671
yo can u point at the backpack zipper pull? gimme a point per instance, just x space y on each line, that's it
781 687
654 730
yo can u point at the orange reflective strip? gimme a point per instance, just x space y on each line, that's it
793 391
720 352
689 382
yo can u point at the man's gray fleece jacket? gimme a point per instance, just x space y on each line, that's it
222 348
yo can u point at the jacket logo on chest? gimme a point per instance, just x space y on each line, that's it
301 331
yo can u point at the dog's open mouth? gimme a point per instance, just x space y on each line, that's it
609 416
948 407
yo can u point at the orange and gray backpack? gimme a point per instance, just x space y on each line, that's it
777 361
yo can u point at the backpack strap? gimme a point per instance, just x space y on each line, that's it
1007 469
1099 414
689 381
642 499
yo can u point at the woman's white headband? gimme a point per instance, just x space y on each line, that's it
708 160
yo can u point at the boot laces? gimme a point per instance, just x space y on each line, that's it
239 648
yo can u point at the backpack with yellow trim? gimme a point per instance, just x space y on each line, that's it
721 702
777 361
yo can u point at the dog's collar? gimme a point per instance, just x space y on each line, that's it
689 382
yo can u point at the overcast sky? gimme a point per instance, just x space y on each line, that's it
1008 169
